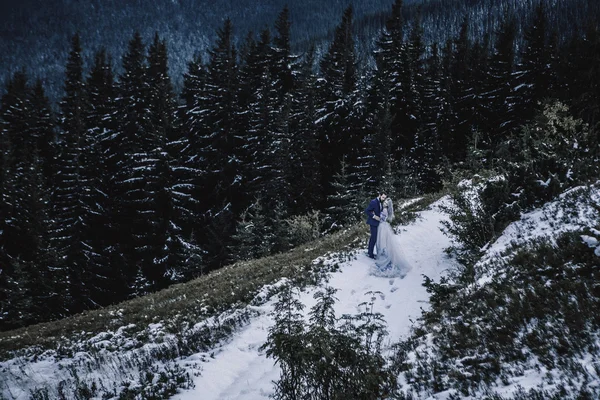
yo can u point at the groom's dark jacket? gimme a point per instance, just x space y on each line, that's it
374 208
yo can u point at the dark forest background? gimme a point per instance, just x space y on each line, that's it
129 182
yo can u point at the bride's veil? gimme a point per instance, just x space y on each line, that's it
390 210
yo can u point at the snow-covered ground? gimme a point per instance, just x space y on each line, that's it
575 209
238 370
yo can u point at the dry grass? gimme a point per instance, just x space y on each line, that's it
185 303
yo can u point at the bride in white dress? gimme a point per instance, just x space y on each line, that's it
390 261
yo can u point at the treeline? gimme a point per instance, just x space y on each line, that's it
132 187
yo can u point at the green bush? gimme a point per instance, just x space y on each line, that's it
553 153
303 228
540 306
481 208
330 357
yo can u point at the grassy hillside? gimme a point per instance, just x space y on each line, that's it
180 306
136 346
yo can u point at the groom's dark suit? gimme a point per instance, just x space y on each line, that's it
373 209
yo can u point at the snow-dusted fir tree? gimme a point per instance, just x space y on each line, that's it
132 162
338 137
72 206
534 76
285 70
43 129
220 154
427 152
304 162
410 103
343 207
258 102
391 68
499 113
479 61
460 90
24 222
18 151
377 145
171 207
36 286
254 236
99 124
390 45
284 62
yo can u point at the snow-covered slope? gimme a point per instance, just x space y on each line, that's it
523 323
238 370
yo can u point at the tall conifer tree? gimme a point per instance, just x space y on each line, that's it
221 150
338 67
71 208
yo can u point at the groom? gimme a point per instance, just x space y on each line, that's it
373 212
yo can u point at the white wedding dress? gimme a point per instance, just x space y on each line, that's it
390 261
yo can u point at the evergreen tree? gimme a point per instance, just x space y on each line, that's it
304 161
24 220
17 155
462 93
36 286
192 124
254 237
392 70
283 60
338 65
338 68
499 113
6 192
44 131
533 76
391 44
170 208
284 67
378 143
427 151
100 126
408 104
130 163
259 98
414 80
221 150
447 119
194 81
71 210
479 67
342 203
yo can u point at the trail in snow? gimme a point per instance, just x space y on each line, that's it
239 371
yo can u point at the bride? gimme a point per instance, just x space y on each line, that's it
390 261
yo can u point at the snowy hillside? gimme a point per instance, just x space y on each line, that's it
237 368
522 322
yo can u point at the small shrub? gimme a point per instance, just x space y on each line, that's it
304 228
330 357
480 211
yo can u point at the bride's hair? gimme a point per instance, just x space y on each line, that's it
390 209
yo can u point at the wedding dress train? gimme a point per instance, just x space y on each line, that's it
390 261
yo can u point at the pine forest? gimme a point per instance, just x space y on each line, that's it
126 179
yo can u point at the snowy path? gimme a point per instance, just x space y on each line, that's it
239 371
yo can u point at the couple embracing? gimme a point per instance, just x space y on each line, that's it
390 261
